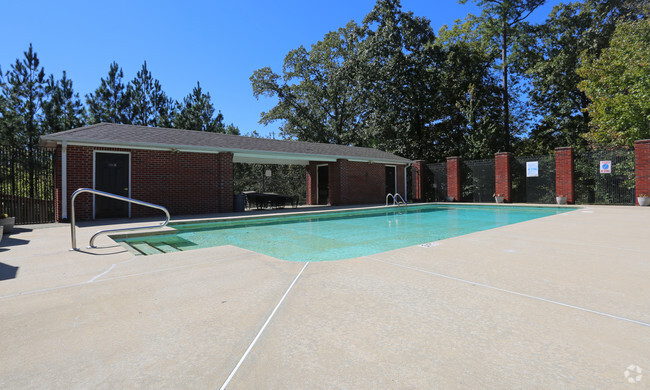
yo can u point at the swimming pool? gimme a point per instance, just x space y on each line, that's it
338 235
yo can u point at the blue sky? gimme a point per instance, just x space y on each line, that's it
218 43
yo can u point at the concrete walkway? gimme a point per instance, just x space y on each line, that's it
557 302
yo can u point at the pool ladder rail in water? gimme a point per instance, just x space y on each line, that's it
397 200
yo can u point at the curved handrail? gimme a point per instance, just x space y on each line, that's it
395 201
388 196
402 199
118 197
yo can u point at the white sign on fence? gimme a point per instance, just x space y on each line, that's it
532 168
605 167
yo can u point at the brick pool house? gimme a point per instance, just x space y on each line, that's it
191 172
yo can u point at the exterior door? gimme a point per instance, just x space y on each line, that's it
111 175
323 184
391 180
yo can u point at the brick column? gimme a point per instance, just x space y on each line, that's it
225 182
564 174
454 170
417 181
642 167
502 176
310 197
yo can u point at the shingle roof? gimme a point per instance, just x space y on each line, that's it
245 149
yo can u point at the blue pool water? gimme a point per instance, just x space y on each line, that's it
340 235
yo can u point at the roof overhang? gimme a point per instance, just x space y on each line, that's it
239 156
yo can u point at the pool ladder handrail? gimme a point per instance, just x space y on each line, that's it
113 196
396 202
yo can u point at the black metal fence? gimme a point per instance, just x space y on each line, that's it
283 179
478 181
435 182
528 188
616 187
27 185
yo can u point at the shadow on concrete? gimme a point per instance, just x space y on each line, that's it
7 271
9 241
102 250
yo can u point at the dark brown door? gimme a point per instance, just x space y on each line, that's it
111 175
323 184
390 180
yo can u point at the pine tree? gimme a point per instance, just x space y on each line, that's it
23 95
196 112
22 114
62 108
111 101
150 106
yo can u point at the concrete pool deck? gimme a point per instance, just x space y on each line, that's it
557 302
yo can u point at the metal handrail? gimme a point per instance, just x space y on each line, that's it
118 197
400 196
395 201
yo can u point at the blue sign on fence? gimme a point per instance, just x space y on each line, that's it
605 167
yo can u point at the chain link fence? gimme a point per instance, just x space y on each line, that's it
616 187
435 182
478 181
533 189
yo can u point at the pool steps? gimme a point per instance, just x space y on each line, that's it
147 249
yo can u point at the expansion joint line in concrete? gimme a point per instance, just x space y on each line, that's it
234 371
513 292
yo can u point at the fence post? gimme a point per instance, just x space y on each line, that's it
564 173
454 171
417 181
642 168
502 175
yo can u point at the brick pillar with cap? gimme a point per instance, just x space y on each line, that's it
565 174
502 175
417 182
642 168
454 171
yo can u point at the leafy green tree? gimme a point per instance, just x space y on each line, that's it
196 112
471 97
400 62
318 97
551 63
62 107
501 22
111 101
618 84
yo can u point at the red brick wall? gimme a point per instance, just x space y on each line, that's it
225 182
417 181
454 177
311 182
352 182
184 183
502 176
564 173
642 167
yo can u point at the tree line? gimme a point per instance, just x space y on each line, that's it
489 83
33 104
